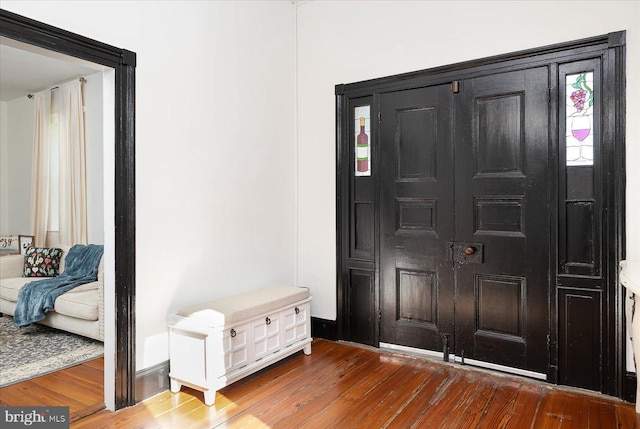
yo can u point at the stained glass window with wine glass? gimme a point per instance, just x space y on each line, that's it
362 129
579 118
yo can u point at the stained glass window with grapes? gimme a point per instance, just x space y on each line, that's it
579 118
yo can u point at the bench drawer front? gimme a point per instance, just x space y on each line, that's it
296 324
236 347
266 335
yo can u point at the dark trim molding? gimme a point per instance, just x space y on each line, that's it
341 193
125 237
323 328
151 381
617 39
36 33
455 71
618 221
629 387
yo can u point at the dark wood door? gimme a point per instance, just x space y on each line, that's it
502 215
416 208
464 219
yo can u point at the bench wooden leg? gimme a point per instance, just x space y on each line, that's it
175 386
209 397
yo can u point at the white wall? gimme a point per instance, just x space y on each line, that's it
344 42
4 172
19 148
93 139
214 146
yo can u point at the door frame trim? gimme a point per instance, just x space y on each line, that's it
611 47
23 29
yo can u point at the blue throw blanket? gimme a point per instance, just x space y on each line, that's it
36 298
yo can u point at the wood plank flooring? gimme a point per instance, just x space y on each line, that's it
79 387
348 386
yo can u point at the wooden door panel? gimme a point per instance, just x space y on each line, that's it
501 302
416 215
497 140
502 215
360 303
416 191
417 297
501 132
416 143
579 323
500 312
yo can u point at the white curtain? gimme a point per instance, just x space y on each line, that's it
40 167
73 177
63 131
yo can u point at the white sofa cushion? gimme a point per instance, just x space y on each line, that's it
78 302
9 288
245 306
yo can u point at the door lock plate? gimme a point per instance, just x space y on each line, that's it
467 253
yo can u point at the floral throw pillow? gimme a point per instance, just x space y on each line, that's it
41 262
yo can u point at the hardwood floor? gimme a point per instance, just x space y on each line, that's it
346 386
79 387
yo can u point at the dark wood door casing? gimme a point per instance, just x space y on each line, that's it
578 304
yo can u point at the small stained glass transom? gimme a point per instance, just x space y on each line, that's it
362 129
579 118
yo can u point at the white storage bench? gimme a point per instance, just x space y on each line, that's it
218 342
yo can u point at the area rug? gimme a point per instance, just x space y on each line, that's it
37 350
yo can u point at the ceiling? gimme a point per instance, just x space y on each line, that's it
27 71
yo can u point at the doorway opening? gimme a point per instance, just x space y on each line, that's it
120 255
25 70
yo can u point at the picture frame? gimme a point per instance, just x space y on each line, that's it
25 241
9 245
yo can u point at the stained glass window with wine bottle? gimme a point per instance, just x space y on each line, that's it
362 130
579 118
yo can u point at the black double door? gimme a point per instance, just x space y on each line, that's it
465 221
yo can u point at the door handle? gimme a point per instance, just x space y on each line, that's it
469 250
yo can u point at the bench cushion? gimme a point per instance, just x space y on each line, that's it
245 306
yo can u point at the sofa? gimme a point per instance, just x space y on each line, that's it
80 310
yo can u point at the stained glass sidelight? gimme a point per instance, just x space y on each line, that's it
362 130
579 118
